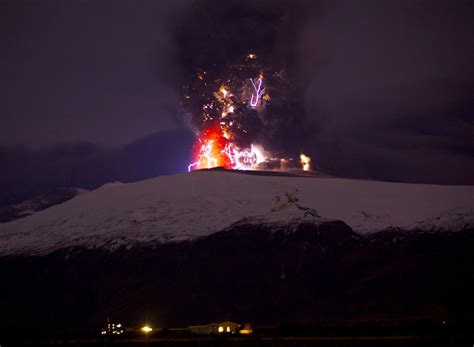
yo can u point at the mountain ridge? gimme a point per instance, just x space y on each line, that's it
188 206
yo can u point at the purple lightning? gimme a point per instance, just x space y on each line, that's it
258 93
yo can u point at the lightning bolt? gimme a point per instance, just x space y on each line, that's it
205 153
258 92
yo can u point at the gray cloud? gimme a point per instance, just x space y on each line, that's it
87 71
393 93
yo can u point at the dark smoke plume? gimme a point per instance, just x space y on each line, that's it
215 41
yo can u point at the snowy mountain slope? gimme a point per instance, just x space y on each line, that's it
188 206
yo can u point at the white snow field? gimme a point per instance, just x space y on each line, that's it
188 206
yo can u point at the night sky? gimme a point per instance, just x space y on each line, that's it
92 90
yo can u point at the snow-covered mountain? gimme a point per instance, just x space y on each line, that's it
189 206
261 247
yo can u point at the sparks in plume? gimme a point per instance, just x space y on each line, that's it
229 115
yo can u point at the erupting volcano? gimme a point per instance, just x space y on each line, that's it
217 150
226 115
232 116
242 92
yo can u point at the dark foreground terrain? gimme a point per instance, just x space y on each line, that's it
365 341
317 276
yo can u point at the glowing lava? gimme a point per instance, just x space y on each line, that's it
211 150
215 150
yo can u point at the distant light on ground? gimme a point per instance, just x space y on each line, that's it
305 162
245 331
146 329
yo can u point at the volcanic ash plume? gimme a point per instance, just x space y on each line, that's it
237 93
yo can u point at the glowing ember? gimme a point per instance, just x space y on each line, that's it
224 91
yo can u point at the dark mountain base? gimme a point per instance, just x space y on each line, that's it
316 274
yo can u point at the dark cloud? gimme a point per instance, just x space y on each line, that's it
26 172
214 42
92 71
393 94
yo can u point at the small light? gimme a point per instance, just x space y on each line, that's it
246 331
228 329
119 325
305 162
221 329
146 329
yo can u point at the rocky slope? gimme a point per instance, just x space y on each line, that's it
306 273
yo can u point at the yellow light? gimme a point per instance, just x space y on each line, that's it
146 329
245 331
223 91
119 325
228 329
305 162
221 329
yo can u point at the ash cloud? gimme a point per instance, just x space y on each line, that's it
378 91
393 97
95 71
215 39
